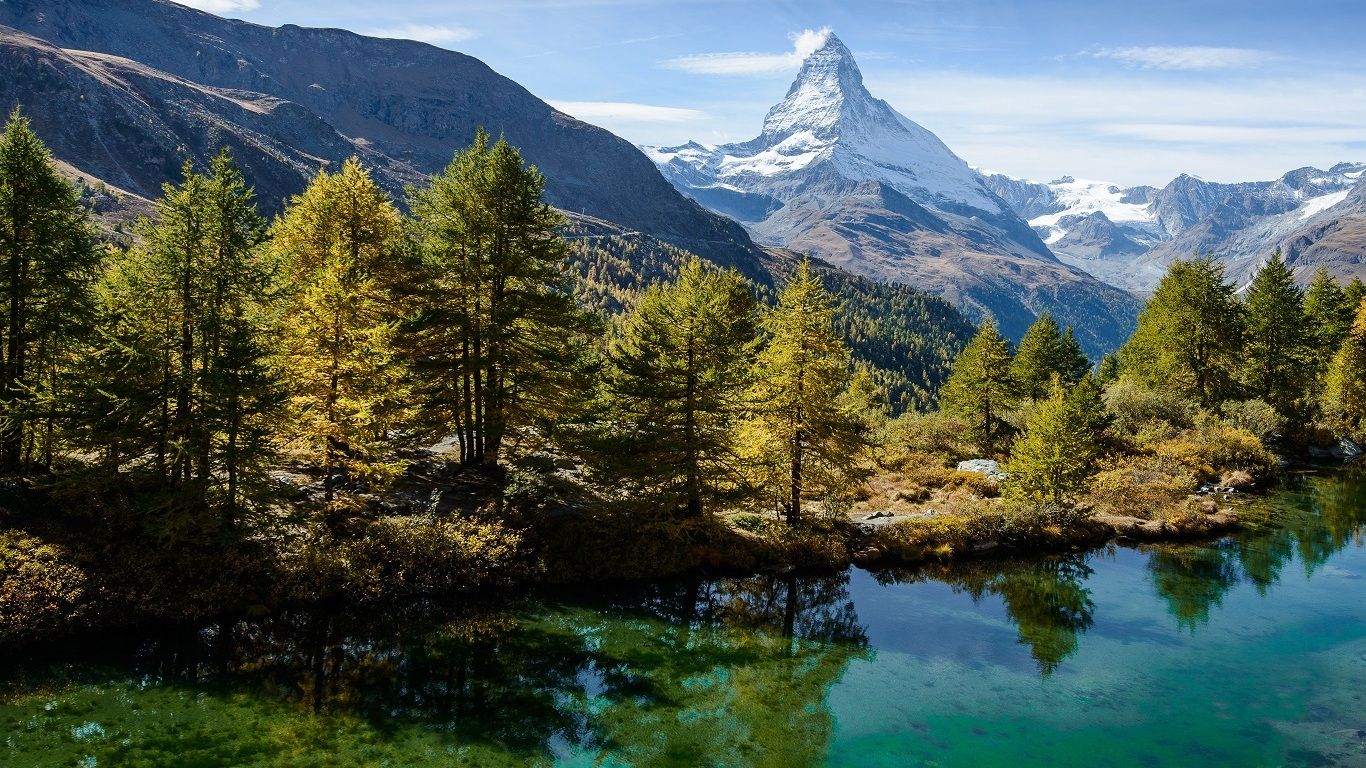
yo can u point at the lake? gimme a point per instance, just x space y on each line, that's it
1250 651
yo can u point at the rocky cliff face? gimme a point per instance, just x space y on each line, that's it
839 173
126 90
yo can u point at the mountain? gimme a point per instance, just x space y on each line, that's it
126 90
839 173
1128 236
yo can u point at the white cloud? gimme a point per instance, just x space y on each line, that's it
222 6
427 33
625 112
1197 57
804 43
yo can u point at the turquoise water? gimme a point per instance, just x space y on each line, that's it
1247 652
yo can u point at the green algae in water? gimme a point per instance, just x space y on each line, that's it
1250 651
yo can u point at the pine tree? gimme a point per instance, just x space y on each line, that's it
1189 337
677 379
1044 352
1345 387
339 242
49 262
1330 317
1053 457
1354 292
497 340
804 428
182 375
982 388
1277 343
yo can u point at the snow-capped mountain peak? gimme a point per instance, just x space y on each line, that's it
828 121
829 81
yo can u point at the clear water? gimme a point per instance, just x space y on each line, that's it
1247 652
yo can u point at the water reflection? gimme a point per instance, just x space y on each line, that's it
714 672
1311 520
730 672
1045 598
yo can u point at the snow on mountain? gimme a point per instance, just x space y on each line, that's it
1315 205
1241 223
1082 197
828 116
840 174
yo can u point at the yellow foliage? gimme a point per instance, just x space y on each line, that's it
1142 486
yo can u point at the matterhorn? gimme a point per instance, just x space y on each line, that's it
840 174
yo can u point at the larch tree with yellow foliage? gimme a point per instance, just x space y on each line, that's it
340 243
806 427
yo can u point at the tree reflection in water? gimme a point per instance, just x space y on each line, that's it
1046 598
728 672
1312 519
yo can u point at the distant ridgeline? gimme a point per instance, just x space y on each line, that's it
905 338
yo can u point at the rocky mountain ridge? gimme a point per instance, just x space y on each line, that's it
1128 236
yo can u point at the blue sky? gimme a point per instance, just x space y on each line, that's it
1131 92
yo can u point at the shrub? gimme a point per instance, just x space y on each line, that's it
41 590
977 483
400 556
1255 416
748 521
940 435
1139 411
1215 447
1011 522
1142 486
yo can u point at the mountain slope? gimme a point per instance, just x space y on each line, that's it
127 89
840 174
181 84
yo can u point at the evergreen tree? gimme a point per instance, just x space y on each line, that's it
182 376
1345 387
339 242
1354 292
677 378
1277 341
1044 352
804 428
496 341
1330 317
1189 337
982 388
49 263
1053 457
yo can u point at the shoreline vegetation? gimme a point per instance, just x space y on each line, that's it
356 404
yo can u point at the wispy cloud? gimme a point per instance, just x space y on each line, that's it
223 6
436 34
1199 133
1191 57
1133 128
804 43
619 111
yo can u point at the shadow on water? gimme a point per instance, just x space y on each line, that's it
683 673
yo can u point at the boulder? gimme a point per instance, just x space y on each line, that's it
991 469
